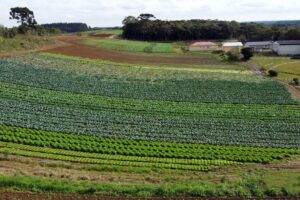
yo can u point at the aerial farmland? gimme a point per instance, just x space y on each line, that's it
105 114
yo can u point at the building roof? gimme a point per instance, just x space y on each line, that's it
289 42
232 44
260 43
201 44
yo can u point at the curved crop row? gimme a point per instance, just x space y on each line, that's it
157 150
235 132
164 108
193 90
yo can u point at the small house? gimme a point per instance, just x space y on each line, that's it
287 47
203 46
263 46
228 46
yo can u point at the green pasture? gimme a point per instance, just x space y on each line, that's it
288 68
131 46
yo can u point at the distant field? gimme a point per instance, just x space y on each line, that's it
112 32
288 68
131 46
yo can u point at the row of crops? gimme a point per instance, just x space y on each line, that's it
84 66
79 110
192 90
288 113
60 146
141 126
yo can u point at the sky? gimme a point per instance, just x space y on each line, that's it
107 13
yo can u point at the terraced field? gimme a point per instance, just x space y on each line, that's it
99 112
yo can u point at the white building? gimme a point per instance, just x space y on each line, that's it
227 46
260 46
287 47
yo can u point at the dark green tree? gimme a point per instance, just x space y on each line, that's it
146 16
23 15
247 53
129 19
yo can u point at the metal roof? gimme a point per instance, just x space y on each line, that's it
289 42
259 43
232 44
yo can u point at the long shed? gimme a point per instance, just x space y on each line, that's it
203 46
287 47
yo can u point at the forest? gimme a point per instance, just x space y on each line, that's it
147 27
68 27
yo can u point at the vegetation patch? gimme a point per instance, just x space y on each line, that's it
131 46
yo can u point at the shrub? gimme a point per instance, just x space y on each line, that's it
10 33
233 55
273 73
296 81
247 53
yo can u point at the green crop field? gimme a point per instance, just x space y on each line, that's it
102 113
131 46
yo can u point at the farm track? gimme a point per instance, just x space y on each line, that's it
38 196
75 48
295 93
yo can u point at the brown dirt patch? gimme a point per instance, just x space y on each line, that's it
80 50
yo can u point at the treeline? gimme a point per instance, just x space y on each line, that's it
286 23
146 27
37 30
68 27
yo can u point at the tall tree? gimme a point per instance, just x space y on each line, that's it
129 19
146 16
23 15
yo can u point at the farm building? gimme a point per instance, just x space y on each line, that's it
203 46
287 47
227 46
260 46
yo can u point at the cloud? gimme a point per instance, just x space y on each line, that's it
112 12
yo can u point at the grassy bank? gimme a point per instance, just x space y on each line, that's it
21 42
248 187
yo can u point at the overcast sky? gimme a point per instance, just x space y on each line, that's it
111 12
